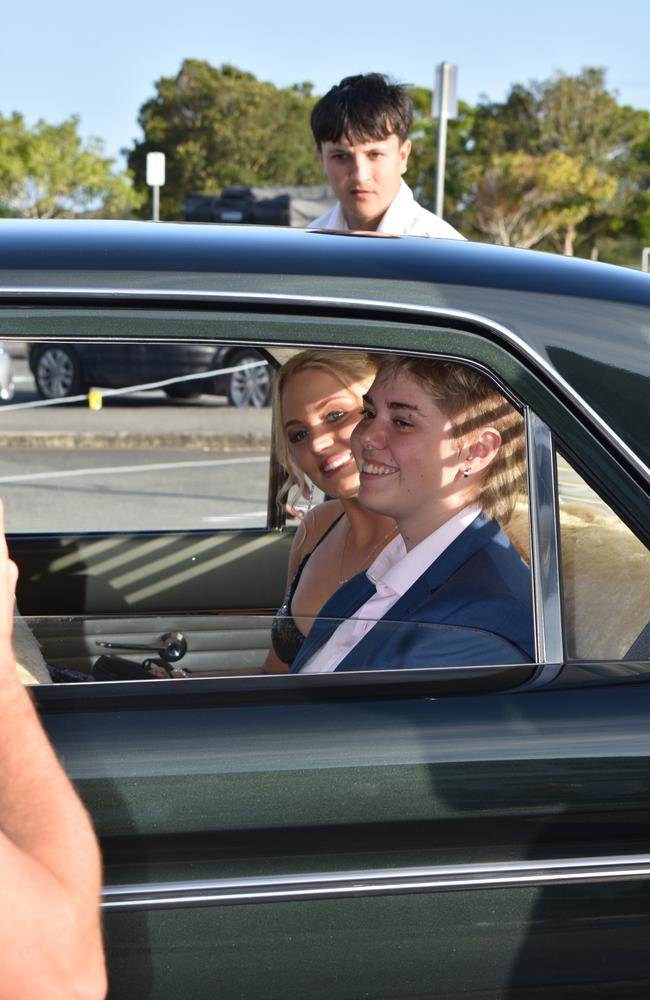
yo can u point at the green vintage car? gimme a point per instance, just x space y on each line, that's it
442 832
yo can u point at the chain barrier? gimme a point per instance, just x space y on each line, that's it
103 393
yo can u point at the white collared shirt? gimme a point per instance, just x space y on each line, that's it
404 217
393 572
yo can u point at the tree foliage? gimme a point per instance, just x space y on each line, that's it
520 198
560 164
223 127
48 172
580 117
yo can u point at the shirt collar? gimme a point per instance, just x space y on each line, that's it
395 570
392 221
338 220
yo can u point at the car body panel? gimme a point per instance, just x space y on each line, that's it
442 833
424 783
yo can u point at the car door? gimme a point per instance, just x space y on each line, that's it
113 365
438 832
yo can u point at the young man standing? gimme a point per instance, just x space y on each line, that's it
361 130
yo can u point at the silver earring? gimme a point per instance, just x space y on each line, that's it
310 497
466 473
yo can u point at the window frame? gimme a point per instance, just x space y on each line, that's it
543 520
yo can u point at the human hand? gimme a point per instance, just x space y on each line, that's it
295 512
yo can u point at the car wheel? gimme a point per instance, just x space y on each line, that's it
57 373
251 387
181 393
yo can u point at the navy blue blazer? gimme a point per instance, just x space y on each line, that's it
475 603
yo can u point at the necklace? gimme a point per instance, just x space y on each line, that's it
367 557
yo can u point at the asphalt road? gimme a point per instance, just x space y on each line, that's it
73 490
141 462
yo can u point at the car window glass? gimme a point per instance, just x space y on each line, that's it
606 573
130 454
130 511
226 646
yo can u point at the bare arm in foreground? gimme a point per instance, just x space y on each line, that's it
49 859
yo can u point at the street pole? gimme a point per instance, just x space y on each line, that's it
445 106
155 180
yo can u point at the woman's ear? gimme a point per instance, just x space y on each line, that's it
482 450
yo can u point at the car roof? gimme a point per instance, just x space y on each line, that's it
100 245
586 323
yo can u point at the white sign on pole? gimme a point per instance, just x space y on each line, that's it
445 94
155 169
445 106
155 180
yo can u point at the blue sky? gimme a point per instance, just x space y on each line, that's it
101 61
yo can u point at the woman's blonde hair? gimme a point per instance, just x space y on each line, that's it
349 367
470 401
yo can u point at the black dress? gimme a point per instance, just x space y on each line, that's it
286 637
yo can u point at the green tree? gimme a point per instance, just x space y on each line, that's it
520 199
48 172
602 140
223 127
643 216
580 117
502 157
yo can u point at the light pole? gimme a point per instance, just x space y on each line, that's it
156 179
445 106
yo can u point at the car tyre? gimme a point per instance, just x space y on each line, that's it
252 387
57 372
181 393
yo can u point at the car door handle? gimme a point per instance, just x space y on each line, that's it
173 648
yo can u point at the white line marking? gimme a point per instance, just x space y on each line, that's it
154 467
234 517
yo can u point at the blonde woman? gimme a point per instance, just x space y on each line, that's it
318 401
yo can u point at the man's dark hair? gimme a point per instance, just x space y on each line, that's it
365 108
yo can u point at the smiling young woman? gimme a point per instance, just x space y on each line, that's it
318 401
434 439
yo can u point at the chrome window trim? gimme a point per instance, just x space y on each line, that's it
276 298
544 549
378 882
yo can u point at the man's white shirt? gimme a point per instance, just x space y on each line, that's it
404 217
393 572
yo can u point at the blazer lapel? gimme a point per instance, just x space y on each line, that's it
474 537
342 604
